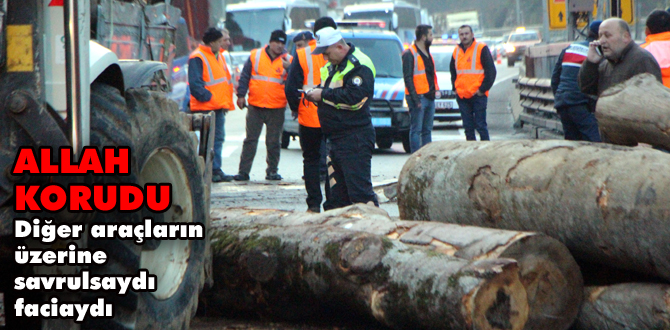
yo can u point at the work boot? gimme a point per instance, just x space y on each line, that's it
219 176
273 177
241 177
314 209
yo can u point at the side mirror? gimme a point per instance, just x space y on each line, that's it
394 21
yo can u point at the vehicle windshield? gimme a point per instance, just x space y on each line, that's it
385 55
246 31
407 17
523 37
442 61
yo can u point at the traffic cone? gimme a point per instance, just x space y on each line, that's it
499 59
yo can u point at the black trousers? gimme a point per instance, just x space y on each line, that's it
312 143
351 158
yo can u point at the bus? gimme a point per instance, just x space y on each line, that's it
251 23
400 17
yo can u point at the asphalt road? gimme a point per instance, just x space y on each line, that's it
289 194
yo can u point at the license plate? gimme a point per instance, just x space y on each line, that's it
381 122
444 104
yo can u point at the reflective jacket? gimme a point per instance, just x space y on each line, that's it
311 68
420 78
266 85
348 89
217 80
469 70
659 45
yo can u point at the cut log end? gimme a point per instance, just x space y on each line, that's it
500 303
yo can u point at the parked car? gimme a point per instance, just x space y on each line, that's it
517 43
390 114
446 107
179 79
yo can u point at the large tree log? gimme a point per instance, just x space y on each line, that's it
633 306
637 110
548 271
607 204
296 271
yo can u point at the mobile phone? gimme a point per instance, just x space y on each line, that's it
599 50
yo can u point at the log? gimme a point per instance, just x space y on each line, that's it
635 111
608 204
631 306
548 271
297 271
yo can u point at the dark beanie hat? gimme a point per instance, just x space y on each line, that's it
305 35
324 22
212 34
278 35
595 27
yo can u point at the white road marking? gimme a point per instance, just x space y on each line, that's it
504 79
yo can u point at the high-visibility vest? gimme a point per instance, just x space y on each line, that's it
337 81
469 70
420 78
659 45
266 87
217 81
311 70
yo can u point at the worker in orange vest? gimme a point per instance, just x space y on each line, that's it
421 87
305 74
263 76
211 89
473 73
658 41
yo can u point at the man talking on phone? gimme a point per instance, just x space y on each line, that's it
614 58
263 76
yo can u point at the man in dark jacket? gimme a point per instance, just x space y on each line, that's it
347 87
574 107
621 59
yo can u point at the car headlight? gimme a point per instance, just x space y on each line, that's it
404 102
510 48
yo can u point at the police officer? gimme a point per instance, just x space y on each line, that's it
347 87
305 74
211 89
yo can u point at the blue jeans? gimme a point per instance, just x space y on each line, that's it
219 137
473 113
579 124
421 118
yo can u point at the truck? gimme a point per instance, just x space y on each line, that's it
398 16
456 20
251 23
62 88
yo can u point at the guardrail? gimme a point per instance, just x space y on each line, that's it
534 85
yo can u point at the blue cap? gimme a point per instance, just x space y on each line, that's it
305 35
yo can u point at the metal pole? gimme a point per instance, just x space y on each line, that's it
518 13
77 33
545 22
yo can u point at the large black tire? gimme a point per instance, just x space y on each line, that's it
510 61
405 142
285 139
166 152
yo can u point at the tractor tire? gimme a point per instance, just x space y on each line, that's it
285 139
167 152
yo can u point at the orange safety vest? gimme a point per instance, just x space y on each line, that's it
311 70
420 79
659 45
469 70
266 87
217 81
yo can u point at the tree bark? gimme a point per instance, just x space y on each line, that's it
608 204
292 272
548 271
636 111
632 306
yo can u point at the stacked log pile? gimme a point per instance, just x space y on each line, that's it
609 205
